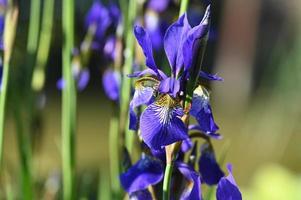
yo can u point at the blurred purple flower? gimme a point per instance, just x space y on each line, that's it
210 171
109 47
227 188
147 171
98 16
158 5
111 84
3 4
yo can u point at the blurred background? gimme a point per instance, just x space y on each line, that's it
254 45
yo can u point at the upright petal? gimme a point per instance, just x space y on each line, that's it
227 188
160 123
170 86
173 43
146 45
111 84
193 191
202 111
195 35
147 171
210 171
144 91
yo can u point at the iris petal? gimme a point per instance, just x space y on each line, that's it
146 45
193 191
227 188
147 171
160 123
83 79
144 90
202 111
173 42
195 34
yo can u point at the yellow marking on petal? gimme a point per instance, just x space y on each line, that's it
147 81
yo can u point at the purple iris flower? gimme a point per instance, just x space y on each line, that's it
227 188
111 84
210 171
98 16
160 122
147 171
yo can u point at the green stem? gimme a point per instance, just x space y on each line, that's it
183 7
114 153
38 78
127 69
167 181
69 103
34 26
25 155
9 37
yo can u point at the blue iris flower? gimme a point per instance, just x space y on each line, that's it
160 122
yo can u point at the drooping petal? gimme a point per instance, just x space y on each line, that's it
173 43
193 190
160 123
202 111
194 37
147 171
146 45
144 91
111 84
210 171
194 127
227 188
210 77
141 195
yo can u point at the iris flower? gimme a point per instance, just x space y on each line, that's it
227 188
160 122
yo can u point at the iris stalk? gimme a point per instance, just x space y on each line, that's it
69 102
9 36
44 45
